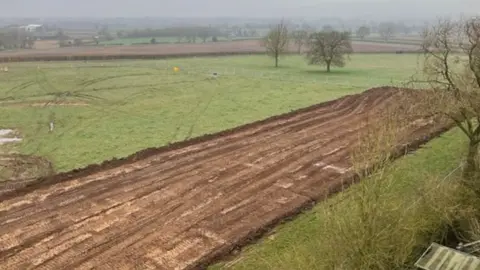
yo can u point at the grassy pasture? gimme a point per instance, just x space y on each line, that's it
137 104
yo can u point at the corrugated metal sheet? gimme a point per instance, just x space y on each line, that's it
438 257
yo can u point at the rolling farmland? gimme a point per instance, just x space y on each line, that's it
183 205
171 50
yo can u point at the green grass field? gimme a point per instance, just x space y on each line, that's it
139 104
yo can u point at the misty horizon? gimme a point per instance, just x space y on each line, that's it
307 9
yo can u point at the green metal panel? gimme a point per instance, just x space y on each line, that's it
438 257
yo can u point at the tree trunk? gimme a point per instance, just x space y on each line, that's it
328 66
471 173
276 60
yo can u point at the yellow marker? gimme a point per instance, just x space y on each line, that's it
176 69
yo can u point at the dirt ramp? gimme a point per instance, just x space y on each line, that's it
18 171
184 205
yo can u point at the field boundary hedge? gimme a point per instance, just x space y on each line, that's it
79 57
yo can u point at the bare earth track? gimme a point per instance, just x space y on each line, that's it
172 50
182 206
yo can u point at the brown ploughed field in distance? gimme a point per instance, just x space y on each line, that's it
164 50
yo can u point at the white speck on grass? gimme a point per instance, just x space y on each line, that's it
6 132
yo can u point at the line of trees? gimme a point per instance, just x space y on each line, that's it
386 30
14 38
188 33
247 31
327 47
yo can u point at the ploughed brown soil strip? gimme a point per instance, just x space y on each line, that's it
171 50
184 205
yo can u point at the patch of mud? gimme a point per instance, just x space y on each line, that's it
16 170
5 132
6 136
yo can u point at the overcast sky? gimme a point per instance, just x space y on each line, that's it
237 8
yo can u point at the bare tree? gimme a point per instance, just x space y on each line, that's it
7 41
16 38
61 35
452 68
191 38
77 42
386 30
404 29
276 41
203 34
104 32
329 48
30 42
362 32
300 37
327 28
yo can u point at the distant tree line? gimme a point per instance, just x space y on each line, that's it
16 38
188 33
386 30
247 31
